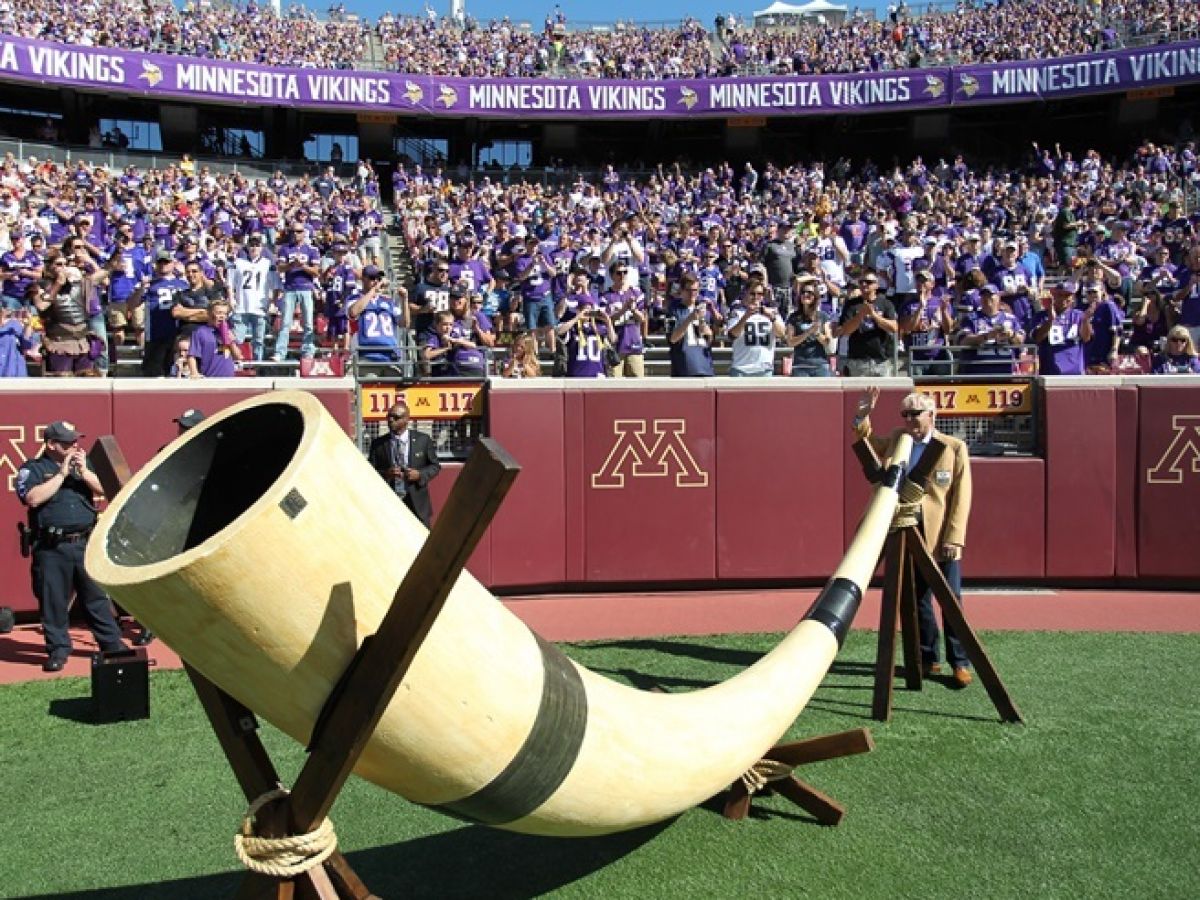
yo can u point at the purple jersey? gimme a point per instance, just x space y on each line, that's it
535 286
377 324
126 275
993 356
927 331
473 273
629 331
1176 364
1060 352
1189 313
341 286
585 349
296 279
466 360
210 348
17 286
1106 324
159 298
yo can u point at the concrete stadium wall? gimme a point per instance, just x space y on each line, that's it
671 484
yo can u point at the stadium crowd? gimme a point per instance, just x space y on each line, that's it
252 32
1089 259
853 267
91 258
249 33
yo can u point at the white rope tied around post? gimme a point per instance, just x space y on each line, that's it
763 772
282 857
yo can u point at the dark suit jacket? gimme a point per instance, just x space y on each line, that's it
422 457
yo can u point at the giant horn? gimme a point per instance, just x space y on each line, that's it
263 548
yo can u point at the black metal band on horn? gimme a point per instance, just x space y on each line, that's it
546 757
837 606
892 475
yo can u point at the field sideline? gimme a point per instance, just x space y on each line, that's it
1094 797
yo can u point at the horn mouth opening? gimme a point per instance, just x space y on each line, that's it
205 485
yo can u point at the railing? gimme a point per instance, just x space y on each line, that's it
68 154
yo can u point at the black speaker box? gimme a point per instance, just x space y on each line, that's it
121 685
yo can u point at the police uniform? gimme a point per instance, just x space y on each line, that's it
61 527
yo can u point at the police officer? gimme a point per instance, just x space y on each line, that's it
58 487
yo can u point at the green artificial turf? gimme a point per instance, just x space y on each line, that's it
1096 796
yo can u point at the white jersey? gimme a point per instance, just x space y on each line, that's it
897 264
754 348
253 284
831 260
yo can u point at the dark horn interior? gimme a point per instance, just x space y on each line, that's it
205 485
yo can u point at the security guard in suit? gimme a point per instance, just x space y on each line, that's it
408 461
58 487
945 509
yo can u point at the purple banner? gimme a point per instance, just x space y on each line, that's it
182 77
1099 73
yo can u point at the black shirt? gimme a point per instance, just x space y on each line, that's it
869 341
71 506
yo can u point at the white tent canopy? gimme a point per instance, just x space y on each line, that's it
813 8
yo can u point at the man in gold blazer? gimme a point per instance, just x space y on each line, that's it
944 513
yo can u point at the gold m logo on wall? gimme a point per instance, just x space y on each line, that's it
12 451
1184 449
634 454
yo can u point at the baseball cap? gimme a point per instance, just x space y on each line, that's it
61 431
758 269
1065 287
190 418
372 272
1010 243
989 289
254 240
163 256
458 290
340 246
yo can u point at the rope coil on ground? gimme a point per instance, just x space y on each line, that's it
282 857
763 772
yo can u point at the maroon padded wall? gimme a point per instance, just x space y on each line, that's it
529 533
480 562
1127 482
1006 535
1168 479
648 477
1081 473
779 483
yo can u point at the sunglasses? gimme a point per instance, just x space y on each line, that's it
1177 340
395 418
912 413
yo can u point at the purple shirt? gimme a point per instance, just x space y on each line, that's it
1176 365
16 287
585 350
209 346
297 279
1060 352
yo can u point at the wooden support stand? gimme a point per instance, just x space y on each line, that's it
905 557
820 806
357 703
